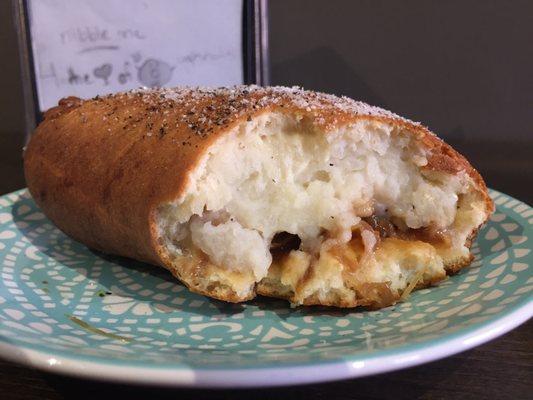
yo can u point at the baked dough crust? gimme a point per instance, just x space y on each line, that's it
100 168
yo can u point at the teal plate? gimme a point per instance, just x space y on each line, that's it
67 309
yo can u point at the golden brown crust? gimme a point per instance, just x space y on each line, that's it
195 271
100 168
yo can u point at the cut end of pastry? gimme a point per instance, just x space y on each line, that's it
358 214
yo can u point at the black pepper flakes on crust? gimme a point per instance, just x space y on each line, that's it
207 110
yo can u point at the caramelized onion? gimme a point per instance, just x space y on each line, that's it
411 286
382 225
340 253
370 239
377 294
430 234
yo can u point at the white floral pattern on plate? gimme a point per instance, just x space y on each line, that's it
60 298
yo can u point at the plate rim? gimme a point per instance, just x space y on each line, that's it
352 367
182 375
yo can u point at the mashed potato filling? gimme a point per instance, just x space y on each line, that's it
276 174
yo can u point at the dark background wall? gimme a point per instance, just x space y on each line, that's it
462 67
11 105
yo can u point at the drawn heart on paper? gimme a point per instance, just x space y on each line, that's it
103 72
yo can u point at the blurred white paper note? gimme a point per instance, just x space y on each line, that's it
85 48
